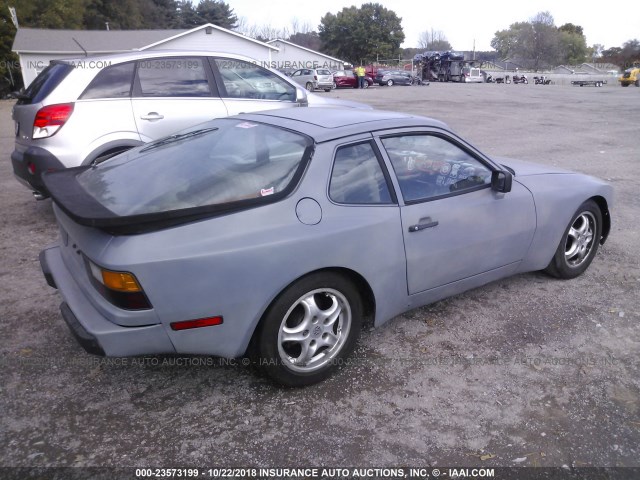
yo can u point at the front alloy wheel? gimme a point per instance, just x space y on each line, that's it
579 243
309 330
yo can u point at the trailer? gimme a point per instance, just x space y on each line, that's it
588 83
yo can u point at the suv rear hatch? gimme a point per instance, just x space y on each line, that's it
29 102
325 76
30 113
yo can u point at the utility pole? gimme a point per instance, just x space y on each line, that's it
14 17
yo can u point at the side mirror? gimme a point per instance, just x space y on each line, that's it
501 181
301 97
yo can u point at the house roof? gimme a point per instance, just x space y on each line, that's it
38 40
306 49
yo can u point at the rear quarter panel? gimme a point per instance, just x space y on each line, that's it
236 265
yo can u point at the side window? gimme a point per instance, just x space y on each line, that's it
357 177
247 80
429 166
111 82
173 77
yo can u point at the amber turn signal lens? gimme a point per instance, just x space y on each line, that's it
120 281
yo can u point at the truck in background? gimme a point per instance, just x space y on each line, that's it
447 67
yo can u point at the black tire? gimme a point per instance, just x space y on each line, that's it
309 87
334 86
327 89
306 311
579 243
637 83
365 85
107 155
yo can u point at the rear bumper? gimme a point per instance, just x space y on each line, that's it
94 332
41 161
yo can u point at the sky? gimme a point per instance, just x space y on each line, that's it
462 22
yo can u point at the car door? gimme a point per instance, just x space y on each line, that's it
454 225
173 93
247 87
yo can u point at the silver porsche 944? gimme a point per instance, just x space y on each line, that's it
274 235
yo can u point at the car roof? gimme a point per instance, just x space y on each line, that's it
329 123
137 55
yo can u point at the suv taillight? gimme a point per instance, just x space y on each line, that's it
50 119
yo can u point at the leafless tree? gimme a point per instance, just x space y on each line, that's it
433 40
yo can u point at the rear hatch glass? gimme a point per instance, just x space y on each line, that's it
216 167
44 83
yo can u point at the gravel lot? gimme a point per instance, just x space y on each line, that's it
528 371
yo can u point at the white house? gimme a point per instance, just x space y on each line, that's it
291 56
37 47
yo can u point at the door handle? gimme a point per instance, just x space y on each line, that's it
422 224
152 116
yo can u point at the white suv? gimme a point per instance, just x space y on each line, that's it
85 110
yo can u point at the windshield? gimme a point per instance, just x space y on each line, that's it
221 162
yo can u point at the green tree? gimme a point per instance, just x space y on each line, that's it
218 13
630 53
187 15
120 15
363 34
573 44
515 41
539 43
158 13
308 40
65 14
10 78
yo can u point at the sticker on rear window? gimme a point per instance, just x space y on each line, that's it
246 125
266 191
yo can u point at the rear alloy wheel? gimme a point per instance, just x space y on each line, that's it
309 86
579 243
309 330
365 85
389 83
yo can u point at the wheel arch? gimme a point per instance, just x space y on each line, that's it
362 286
113 146
606 217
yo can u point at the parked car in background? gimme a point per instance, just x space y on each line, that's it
471 75
348 79
312 79
252 235
393 77
81 111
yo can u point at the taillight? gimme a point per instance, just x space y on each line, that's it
50 119
120 288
